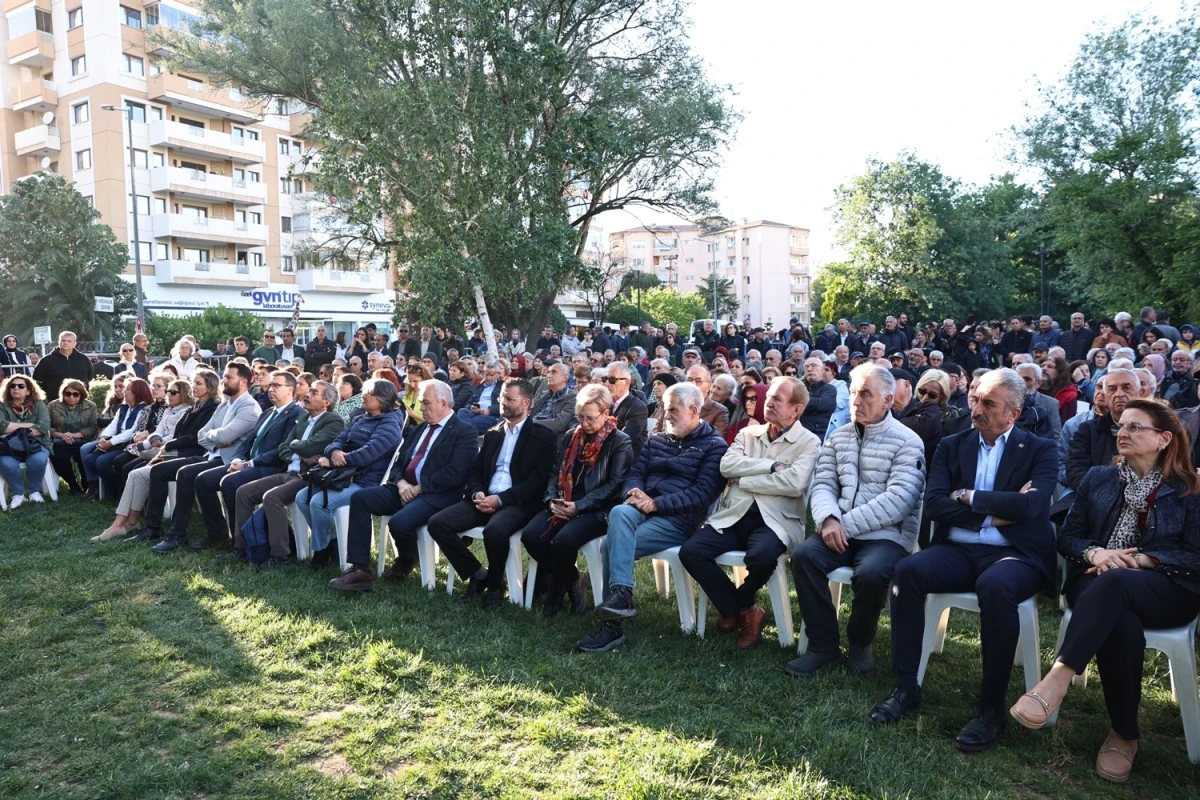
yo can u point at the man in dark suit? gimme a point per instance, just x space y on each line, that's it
404 348
287 349
988 493
484 409
257 457
504 490
430 345
428 476
631 412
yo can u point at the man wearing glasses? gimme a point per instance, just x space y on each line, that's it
257 457
129 363
404 348
630 410
266 351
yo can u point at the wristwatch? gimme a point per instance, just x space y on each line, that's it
959 494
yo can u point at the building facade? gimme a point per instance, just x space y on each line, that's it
767 261
224 212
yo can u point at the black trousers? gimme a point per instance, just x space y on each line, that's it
188 479
404 520
1002 579
161 475
446 526
873 563
750 533
558 551
63 456
216 494
1110 615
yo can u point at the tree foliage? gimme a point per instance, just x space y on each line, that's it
485 135
55 258
213 325
659 306
727 299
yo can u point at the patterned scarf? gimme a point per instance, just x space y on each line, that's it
584 448
1138 492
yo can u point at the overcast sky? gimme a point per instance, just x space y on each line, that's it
824 86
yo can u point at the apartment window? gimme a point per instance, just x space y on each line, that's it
91 201
156 113
162 252
134 65
137 111
158 159
255 217
74 18
281 107
195 212
80 113
239 175
287 264
254 177
195 255
131 17
256 259
160 206
639 262
285 224
284 147
239 216
297 185
28 21
141 159
143 205
298 147
285 186
43 21
747 279
252 135
83 159
145 250
78 66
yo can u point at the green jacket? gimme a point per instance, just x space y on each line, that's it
324 432
39 415
88 414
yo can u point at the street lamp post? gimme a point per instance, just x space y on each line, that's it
137 243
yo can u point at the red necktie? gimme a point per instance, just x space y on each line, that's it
410 472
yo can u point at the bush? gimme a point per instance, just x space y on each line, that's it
213 325
98 390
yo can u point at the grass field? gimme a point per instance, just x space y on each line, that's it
131 675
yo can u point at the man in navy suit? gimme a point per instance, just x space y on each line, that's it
257 457
428 476
988 493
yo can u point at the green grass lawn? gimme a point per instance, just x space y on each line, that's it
132 675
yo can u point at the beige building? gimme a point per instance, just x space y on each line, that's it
767 261
224 213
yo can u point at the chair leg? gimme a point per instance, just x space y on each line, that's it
514 569
341 526
303 535
427 558
835 594
382 546
662 578
593 556
530 581
701 612
940 642
50 482
685 597
781 604
3 495
936 617
1181 655
1030 645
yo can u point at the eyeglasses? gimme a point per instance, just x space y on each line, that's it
17 386
173 392
585 418
610 379
753 398
932 394
1134 427
72 394
278 385
123 350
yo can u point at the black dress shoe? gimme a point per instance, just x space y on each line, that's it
492 599
145 535
168 545
475 588
889 710
209 541
981 732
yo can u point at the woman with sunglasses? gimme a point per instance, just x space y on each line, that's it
72 423
128 362
23 407
927 418
751 410
1132 545
98 456
136 471
593 459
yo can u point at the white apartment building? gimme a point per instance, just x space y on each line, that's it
223 209
767 261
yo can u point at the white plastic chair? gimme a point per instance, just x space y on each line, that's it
593 556
837 578
685 592
49 487
937 614
513 571
777 586
1179 646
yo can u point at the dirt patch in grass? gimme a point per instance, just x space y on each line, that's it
333 765
325 716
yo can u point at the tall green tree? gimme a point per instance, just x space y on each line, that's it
726 300
485 135
1115 142
55 258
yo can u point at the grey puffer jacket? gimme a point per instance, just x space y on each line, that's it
871 478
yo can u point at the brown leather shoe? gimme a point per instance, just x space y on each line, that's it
355 579
752 624
728 624
1114 762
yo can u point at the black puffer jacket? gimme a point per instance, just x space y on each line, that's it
682 475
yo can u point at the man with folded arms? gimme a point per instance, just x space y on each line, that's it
988 494
865 499
305 443
768 468
428 476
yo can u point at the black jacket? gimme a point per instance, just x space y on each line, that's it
631 418
602 484
532 460
822 401
55 368
447 461
184 443
1093 446
463 389
1076 343
925 420
1013 342
317 354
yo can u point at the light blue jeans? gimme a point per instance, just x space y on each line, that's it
35 472
633 535
319 518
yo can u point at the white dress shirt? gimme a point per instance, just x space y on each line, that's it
502 477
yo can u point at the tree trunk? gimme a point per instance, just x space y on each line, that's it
486 321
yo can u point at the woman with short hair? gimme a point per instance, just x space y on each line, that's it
72 423
24 407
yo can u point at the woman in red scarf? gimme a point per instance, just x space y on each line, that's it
593 459
752 405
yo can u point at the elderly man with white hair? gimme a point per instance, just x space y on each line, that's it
866 493
1031 375
667 493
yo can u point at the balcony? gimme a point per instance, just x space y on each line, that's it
13 5
207 273
332 280
204 229
194 184
206 142
40 140
34 49
36 95
199 97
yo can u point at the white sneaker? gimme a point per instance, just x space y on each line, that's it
36 497
16 501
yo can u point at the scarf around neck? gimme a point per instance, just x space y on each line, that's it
1137 496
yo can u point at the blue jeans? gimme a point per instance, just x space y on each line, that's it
35 472
319 518
88 453
633 535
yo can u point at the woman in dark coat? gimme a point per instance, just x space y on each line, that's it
13 360
1132 545
593 459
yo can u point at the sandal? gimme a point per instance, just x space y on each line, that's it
1114 762
1036 719
109 535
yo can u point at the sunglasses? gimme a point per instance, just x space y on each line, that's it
126 351
173 391
17 386
932 393
607 379
72 394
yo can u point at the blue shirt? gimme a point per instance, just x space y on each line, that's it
986 465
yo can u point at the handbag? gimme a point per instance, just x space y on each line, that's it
328 479
19 444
